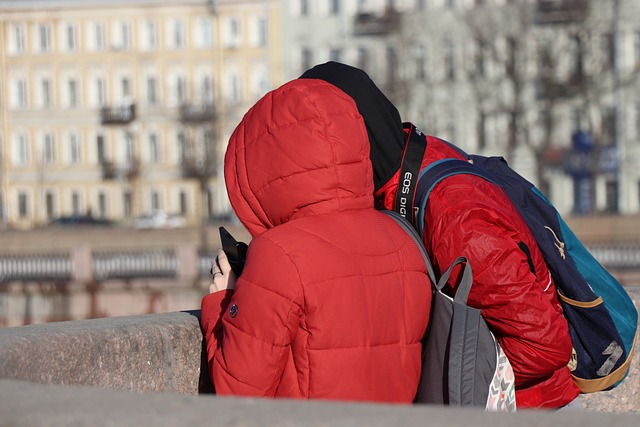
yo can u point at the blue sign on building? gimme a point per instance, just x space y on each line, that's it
584 160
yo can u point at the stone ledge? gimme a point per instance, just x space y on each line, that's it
148 353
37 405
164 353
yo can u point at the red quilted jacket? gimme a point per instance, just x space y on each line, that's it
334 297
466 215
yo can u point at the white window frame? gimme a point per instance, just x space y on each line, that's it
20 149
204 34
152 90
75 148
48 148
44 38
70 37
178 34
101 91
73 92
232 32
151 35
155 156
99 36
18 39
46 88
21 93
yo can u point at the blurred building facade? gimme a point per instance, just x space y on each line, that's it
118 108
551 85
125 107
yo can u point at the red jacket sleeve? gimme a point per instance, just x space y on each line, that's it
249 342
472 218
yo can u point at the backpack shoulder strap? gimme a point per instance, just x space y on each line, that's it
436 172
406 226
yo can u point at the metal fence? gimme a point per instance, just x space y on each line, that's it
163 264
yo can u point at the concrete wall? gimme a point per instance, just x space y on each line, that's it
149 353
150 371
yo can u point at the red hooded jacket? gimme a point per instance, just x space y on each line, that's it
466 215
334 297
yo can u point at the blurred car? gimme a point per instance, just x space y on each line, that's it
159 219
80 220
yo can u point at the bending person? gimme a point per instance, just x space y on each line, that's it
331 301
468 216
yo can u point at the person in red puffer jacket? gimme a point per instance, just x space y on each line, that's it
334 297
468 216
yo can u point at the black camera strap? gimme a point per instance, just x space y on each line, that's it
414 150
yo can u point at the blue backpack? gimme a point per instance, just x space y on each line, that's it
601 315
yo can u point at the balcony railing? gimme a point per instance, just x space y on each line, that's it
128 170
372 24
108 170
118 115
561 11
197 113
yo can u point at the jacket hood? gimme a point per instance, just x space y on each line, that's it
300 150
381 117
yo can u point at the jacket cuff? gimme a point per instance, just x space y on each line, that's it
213 307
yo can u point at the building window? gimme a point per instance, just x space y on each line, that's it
73 93
154 150
364 58
392 66
155 200
126 88
23 205
152 91
608 126
99 36
21 93
127 202
611 196
636 48
236 88
304 7
102 204
46 93
49 205
75 203
21 155
182 147
206 33
72 37
178 34
421 62
449 62
207 90
125 33
101 91
44 34
183 203
129 149
152 35
74 148
306 61
18 42
482 131
480 58
334 7
49 149
100 149
638 121
181 90
232 32
335 54
259 33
